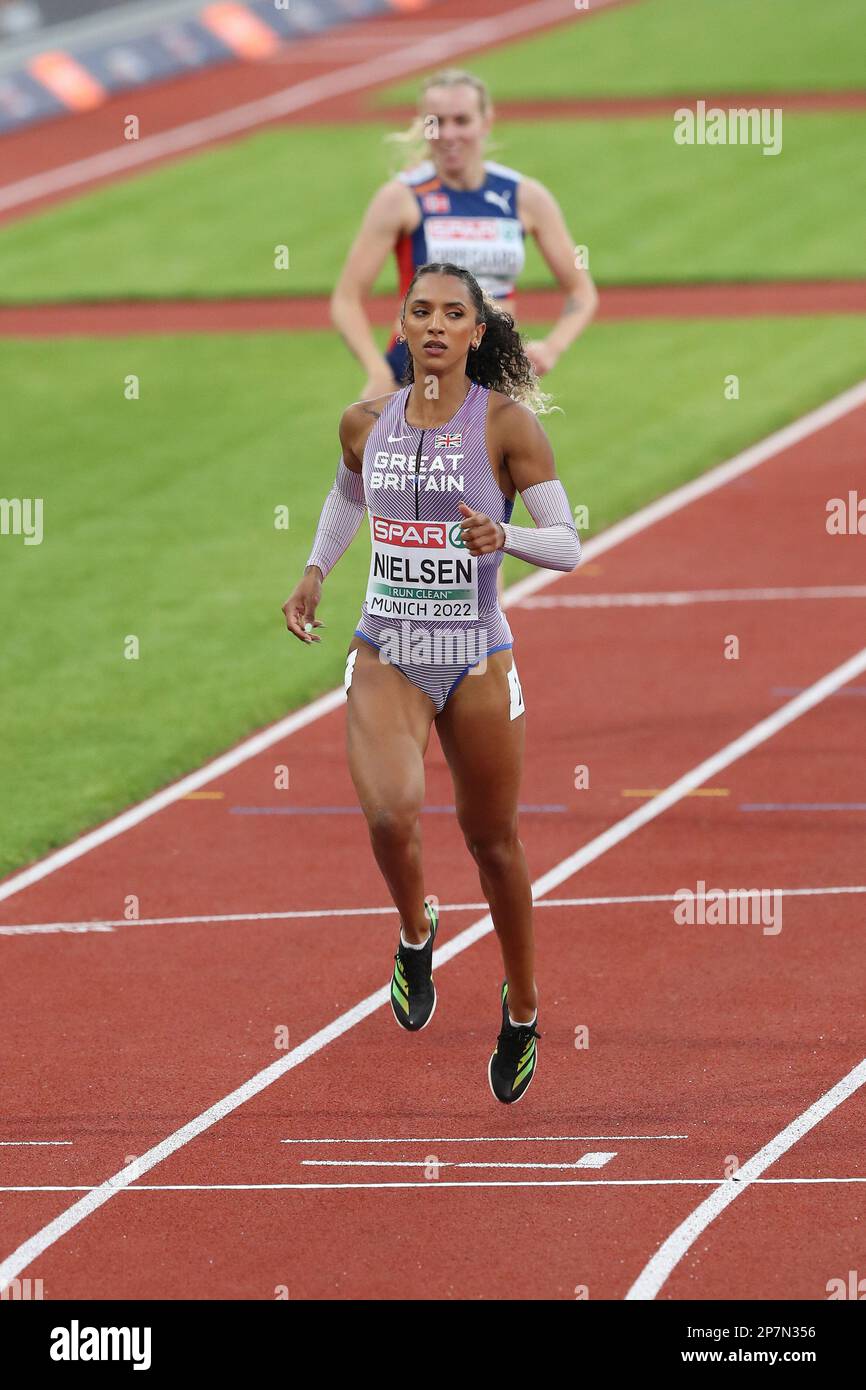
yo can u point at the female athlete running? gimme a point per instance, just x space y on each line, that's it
456 206
438 471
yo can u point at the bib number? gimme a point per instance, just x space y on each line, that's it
420 570
516 693
350 668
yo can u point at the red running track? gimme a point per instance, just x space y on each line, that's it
704 1041
300 313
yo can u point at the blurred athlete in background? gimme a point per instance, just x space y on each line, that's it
456 206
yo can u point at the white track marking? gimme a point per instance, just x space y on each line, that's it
667 1257
794 433
47 928
704 771
36 1143
779 719
446 1163
492 1139
714 478
136 814
423 54
681 598
27 928
431 1182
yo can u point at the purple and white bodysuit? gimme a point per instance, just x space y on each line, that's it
432 609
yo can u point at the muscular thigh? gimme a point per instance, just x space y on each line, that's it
388 723
483 745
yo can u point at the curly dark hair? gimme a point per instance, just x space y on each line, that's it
499 362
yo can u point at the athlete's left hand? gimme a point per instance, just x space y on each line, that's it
541 355
480 534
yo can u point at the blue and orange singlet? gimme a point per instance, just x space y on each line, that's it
477 228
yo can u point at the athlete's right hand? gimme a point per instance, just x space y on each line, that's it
300 607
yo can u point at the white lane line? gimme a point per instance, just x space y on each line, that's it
51 928
853 690
209 773
351 43
492 1139
765 729
26 928
35 1143
430 1183
651 810
680 598
708 482
662 1264
598 1161
714 478
429 50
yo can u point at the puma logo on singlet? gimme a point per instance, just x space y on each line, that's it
500 199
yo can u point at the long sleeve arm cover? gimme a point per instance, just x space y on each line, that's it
341 517
553 542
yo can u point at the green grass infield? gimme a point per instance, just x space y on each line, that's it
659 47
159 524
649 210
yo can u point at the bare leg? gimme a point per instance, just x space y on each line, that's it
484 750
387 731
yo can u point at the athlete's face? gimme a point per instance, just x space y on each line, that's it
439 324
455 138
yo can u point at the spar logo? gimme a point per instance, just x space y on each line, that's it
424 535
427 535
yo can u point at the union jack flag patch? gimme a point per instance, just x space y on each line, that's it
449 441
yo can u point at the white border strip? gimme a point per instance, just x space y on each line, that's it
221 765
591 1160
682 597
36 1245
487 1139
794 433
669 1254
624 530
23 1143
431 1182
331 913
